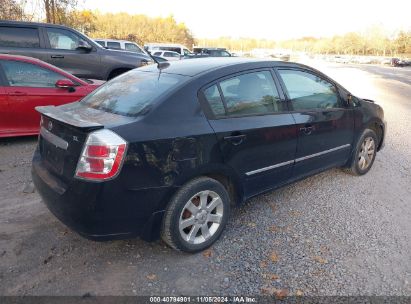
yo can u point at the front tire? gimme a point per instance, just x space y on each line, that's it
364 154
196 215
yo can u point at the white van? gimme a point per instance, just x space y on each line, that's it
120 45
178 48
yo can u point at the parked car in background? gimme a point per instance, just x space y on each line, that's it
168 55
185 142
67 49
120 45
211 52
397 62
178 48
28 82
342 59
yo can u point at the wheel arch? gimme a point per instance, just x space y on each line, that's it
223 174
375 125
378 128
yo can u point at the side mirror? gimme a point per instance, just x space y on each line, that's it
348 99
83 45
65 84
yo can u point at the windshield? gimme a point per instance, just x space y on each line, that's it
132 93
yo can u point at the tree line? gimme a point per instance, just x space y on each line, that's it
371 42
143 29
138 28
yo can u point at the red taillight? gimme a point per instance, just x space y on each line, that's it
98 151
102 156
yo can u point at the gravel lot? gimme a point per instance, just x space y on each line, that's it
331 234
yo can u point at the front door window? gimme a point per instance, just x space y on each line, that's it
308 91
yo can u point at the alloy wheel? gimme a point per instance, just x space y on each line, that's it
201 217
366 154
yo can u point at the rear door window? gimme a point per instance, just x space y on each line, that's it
214 100
132 93
114 45
19 37
250 94
308 91
21 74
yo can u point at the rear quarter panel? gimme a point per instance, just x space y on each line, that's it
171 145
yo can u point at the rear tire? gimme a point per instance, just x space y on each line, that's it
364 154
196 215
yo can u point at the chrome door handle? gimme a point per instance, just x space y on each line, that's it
307 130
235 139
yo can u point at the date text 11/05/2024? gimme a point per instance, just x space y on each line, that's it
204 299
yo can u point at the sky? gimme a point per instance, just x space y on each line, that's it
264 19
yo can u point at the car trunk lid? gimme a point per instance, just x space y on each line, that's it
63 132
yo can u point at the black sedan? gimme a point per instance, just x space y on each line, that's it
166 150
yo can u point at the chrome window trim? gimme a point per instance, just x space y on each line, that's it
53 139
297 160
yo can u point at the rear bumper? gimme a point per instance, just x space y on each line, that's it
101 211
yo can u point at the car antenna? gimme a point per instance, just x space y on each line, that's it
160 65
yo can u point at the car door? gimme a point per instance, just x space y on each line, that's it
256 134
4 104
324 123
28 86
64 52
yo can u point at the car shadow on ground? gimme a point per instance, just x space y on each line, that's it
21 140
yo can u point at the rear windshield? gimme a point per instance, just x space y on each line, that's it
132 93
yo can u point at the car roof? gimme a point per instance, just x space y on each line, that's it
164 51
21 58
164 44
214 49
7 22
113 40
197 66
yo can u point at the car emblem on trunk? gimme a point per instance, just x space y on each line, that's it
50 126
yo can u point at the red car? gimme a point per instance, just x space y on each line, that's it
28 82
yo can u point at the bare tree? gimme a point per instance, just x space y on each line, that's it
57 10
11 10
